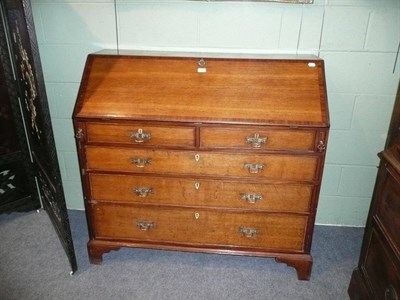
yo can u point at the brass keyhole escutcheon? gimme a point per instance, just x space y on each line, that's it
196 215
197 157
197 185
201 63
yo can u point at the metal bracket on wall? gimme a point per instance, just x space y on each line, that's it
278 1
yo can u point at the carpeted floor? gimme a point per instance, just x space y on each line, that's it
33 266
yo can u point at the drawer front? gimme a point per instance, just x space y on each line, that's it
200 192
280 167
382 269
388 210
134 134
257 138
202 227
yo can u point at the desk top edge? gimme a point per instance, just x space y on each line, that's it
221 55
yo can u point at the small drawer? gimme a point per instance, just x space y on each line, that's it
381 268
140 134
388 210
258 138
200 192
202 227
274 167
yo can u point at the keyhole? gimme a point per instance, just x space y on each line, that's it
197 157
197 185
197 216
201 63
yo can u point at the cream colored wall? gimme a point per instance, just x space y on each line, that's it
358 39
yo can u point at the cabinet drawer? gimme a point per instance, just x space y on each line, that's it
388 210
380 267
279 167
140 134
257 138
205 227
200 192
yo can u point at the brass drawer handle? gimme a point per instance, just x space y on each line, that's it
256 141
249 233
141 162
390 293
321 146
143 192
145 225
140 136
251 198
254 168
79 134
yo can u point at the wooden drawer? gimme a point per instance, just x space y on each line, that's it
381 269
388 207
279 167
200 192
140 134
257 138
205 227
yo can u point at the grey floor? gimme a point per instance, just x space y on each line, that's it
33 266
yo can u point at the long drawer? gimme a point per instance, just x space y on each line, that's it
205 227
200 192
279 167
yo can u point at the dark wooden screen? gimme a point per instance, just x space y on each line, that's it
24 84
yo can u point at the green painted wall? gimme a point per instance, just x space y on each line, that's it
358 39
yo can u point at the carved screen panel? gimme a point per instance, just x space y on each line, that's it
33 102
18 190
8 141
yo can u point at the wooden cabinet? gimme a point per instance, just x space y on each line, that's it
378 273
216 155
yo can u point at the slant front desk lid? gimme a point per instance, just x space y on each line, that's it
260 91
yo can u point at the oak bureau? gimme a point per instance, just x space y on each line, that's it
204 154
